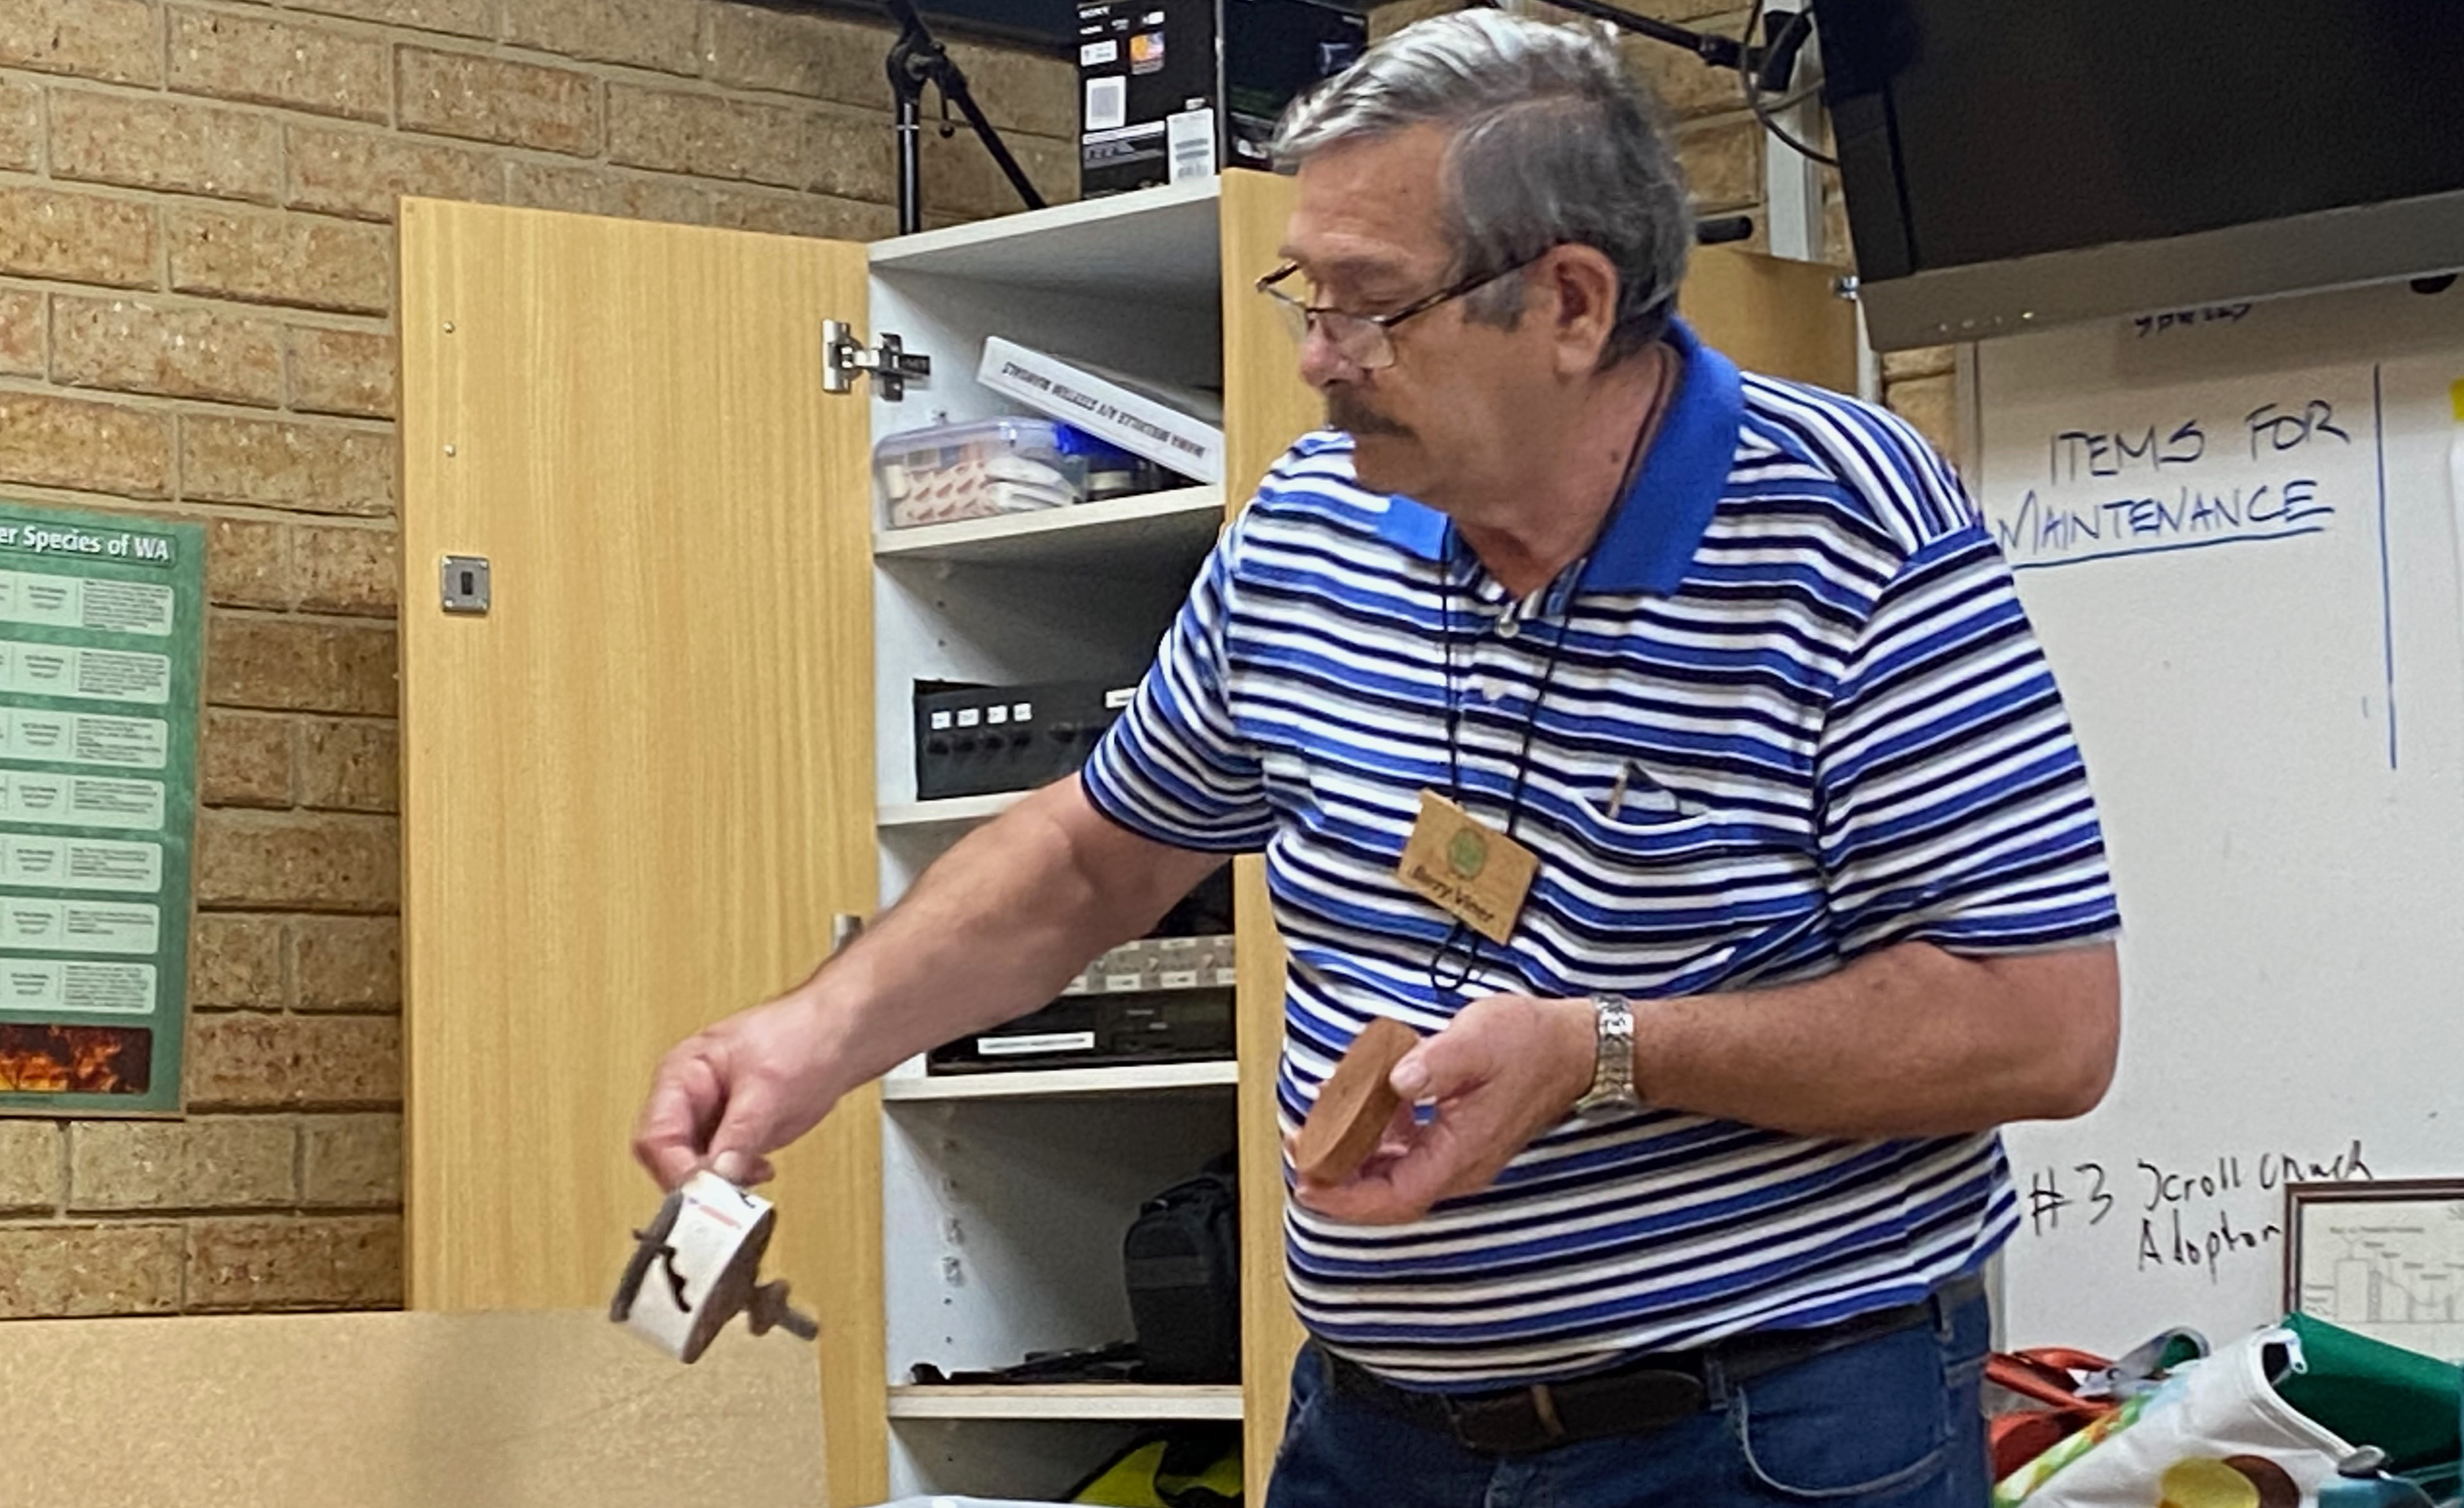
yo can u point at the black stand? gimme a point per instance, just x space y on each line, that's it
1771 64
1767 68
917 59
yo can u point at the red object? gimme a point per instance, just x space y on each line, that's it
2047 1375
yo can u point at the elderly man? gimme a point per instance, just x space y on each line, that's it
1666 746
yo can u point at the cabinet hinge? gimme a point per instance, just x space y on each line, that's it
890 363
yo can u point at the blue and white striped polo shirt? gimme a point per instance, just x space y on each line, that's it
1796 662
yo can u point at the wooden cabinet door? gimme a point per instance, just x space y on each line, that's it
638 787
1773 315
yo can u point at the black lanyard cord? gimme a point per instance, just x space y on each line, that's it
1458 957
1452 966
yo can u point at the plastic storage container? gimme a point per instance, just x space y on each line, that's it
998 466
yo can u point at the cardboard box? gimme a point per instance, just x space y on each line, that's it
402 1410
1182 431
1178 89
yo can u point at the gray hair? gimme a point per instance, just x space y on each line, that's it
1553 143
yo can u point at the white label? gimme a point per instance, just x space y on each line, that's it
1180 979
1036 1042
1023 711
108 675
1227 977
995 716
1114 701
1191 136
969 716
84 927
940 722
85 985
1107 103
1095 55
1124 983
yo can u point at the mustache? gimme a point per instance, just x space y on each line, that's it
1348 411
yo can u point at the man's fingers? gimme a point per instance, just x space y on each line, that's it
685 1098
1401 1128
1446 1064
746 1131
1397 1185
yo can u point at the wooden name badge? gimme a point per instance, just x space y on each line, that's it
1353 1105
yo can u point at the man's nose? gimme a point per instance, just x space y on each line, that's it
1321 364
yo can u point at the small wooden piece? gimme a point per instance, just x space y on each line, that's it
1353 1105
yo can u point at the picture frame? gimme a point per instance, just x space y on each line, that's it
2382 1259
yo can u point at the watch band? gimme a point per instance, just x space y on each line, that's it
1612 1091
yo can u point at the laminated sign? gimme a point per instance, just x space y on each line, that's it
101 620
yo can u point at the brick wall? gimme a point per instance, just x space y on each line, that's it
1721 146
196 321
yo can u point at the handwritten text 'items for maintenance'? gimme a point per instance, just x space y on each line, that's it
2188 483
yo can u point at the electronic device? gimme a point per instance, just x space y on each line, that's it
978 740
1178 89
2013 166
1159 999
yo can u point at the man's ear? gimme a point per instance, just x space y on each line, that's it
1580 285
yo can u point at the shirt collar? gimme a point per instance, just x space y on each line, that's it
1650 536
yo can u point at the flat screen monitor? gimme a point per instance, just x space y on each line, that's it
2015 163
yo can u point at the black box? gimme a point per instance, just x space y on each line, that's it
978 740
1176 89
1099 1031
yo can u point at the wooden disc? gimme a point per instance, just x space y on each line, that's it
1353 1105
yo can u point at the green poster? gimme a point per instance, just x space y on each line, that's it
101 631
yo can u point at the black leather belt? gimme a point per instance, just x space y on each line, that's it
1649 1393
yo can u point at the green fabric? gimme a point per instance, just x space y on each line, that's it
2373 1393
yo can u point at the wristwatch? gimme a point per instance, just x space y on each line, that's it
1612 1091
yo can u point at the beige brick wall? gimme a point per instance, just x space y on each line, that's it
196 321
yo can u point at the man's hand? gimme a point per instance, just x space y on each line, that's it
732 1093
1505 1069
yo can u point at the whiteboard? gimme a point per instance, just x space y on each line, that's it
2235 530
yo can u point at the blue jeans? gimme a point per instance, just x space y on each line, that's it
1892 1422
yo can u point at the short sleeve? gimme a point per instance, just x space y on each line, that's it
1954 805
1174 766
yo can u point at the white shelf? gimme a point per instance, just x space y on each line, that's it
1046 1082
1066 1400
1187 517
1161 243
949 811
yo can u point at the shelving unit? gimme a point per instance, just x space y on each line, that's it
1061 1083
1006 1194
949 812
1081 1401
1062 538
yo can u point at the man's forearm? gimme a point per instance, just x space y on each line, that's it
1909 1042
995 928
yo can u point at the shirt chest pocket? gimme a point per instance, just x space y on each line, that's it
1626 820
1678 888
